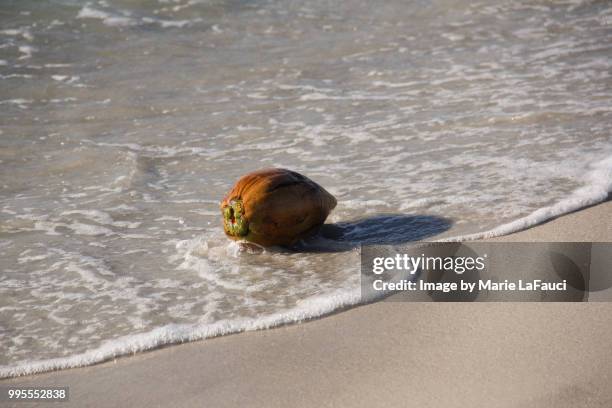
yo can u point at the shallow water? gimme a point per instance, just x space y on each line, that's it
123 124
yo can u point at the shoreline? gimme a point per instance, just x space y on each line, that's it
405 351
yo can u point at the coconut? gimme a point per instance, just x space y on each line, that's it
275 207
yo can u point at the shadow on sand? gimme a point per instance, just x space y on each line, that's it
383 229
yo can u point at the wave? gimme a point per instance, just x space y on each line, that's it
597 189
180 333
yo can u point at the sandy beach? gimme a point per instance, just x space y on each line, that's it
383 354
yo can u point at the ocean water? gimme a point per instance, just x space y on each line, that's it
123 123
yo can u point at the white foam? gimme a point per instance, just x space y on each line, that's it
48 227
18 101
116 20
27 51
89 12
179 333
596 190
88 229
168 23
119 21
9 76
102 217
23 32
33 258
387 84
107 18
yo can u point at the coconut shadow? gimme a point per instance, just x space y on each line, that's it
381 229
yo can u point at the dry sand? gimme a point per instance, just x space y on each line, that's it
383 354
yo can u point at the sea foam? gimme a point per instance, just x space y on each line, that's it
177 333
597 189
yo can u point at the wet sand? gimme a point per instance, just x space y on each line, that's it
383 354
